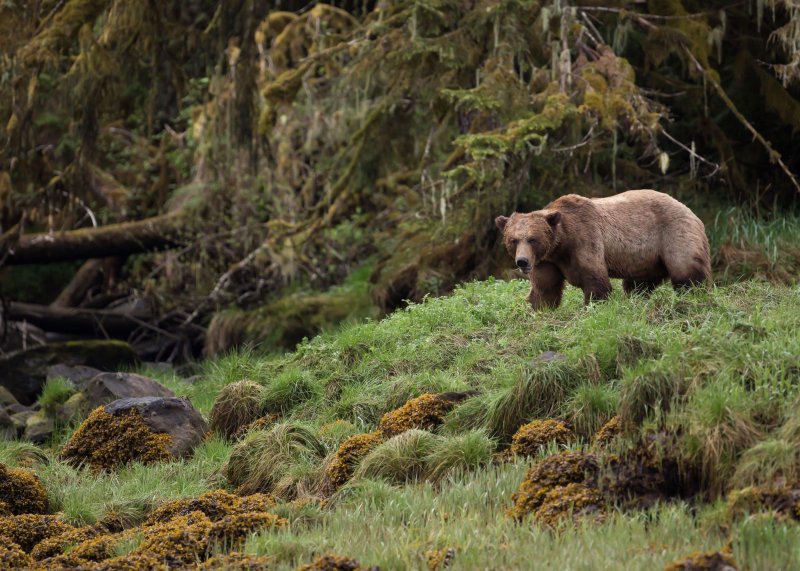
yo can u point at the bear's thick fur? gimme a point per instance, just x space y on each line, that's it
641 236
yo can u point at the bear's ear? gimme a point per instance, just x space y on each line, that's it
553 218
501 221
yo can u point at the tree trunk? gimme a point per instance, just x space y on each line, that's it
86 277
101 323
157 233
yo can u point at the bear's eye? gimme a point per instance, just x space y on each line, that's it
532 241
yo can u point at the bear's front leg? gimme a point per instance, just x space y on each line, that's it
547 286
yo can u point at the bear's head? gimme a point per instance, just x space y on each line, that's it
529 238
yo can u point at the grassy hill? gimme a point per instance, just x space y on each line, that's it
712 376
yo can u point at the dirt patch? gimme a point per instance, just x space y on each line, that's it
647 473
104 441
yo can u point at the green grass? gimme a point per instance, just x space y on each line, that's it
717 369
55 392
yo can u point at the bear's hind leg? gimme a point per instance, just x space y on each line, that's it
596 288
547 286
695 271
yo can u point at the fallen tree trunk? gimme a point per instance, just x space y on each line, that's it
99 322
157 233
86 277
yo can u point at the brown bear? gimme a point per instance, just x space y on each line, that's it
641 236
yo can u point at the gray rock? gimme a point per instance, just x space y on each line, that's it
6 398
38 428
15 408
24 373
7 429
108 387
548 357
78 375
173 415
73 407
20 420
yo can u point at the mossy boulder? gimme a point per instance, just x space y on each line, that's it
21 491
215 504
347 457
555 471
531 438
27 530
24 373
710 561
183 540
608 432
174 416
423 412
332 562
105 441
570 503
12 556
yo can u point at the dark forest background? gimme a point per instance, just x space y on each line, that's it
192 176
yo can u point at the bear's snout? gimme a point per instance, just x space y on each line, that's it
523 264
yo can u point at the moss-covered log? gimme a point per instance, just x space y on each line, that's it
75 320
157 233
